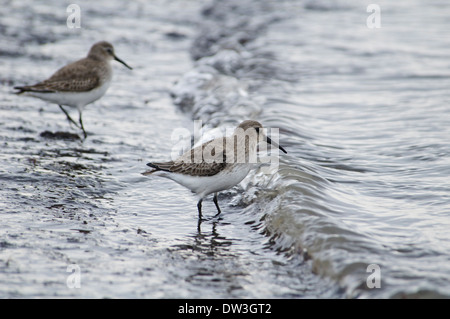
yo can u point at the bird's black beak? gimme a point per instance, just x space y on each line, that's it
119 60
275 144
269 141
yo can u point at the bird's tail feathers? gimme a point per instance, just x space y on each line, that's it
157 167
20 88
23 89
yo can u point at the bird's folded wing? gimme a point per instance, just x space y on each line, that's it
205 160
197 169
74 77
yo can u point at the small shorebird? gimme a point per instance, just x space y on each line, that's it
79 83
215 165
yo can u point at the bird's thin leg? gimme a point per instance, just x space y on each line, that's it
199 206
68 116
199 226
217 204
81 124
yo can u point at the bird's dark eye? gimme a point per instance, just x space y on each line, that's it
109 50
257 129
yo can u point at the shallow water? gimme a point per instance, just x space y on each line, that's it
363 114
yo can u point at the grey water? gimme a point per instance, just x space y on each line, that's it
358 208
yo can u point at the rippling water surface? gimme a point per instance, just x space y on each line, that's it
363 113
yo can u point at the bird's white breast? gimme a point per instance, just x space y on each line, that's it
205 185
73 99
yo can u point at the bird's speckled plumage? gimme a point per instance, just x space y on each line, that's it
80 76
215 165
79 83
